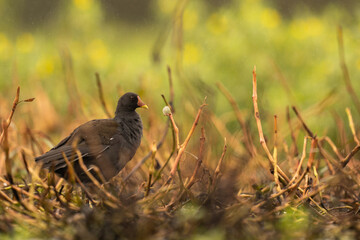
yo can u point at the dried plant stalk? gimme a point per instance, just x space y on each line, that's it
8 121
352 126
183 146
101 95
275 156
218 167
261 134
199 160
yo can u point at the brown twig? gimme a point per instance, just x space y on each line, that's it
263 143
23 158
299 167
352 126
184 144
6 148
313 150
8 121
350 155
346 160
175 137
275 156
310 133
14 105
317 183
175 129
309 164
307 129
218 167
101 95
199 160
259 126
345 70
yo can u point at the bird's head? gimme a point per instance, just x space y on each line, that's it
129 102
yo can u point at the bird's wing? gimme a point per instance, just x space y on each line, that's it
93 138
54 159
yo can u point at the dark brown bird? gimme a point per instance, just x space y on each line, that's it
106 143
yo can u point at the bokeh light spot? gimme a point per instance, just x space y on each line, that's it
270 18
83 4
192 53
98 53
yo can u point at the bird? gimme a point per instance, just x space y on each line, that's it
107 144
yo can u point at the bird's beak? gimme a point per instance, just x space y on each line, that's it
141 104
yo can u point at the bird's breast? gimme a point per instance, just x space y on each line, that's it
131 130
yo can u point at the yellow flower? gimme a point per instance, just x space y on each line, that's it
83 4
98 53
270 18
191 53
45 66
217 23
25 43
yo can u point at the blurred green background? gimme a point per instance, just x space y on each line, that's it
53 48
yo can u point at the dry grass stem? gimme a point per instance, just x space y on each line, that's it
259 126
352 126
350 155
183 146
199 160
218 167
307 129
299 167
101 95
275 156
8 121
